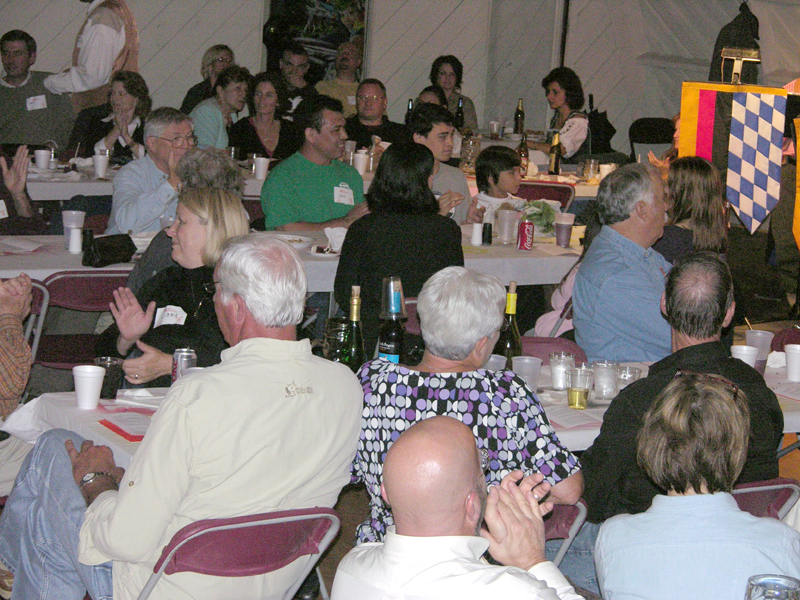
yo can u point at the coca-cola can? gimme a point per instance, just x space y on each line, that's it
525 236
182 359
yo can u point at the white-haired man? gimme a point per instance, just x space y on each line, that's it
617 294
147 188
433 480
235 439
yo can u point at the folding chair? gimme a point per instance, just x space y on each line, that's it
252 545
654 133
412 322
40 299
564 523
770 498
538 190
541 347
87 291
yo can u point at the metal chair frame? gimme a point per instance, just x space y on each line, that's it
563 515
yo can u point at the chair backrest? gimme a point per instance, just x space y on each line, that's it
246 546
97 223
770 498
40 299
412 322
537 190
541 347
89 291
564 523
253 208
650 131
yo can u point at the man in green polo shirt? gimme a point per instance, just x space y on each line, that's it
312 189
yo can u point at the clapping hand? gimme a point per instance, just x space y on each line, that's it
14 176
132 321
474 212
15 296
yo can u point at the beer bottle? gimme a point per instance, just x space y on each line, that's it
393 311
508 344
555 156
522 151
519 118
409 110
458 120
353 354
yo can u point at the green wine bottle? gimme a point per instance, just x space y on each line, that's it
508 344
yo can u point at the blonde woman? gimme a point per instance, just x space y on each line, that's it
215 60
175 308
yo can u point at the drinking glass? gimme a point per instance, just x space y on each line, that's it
579 382
627 375
780 587
605 378
559 363
333 338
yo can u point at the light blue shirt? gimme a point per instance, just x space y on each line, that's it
141 195
691 547
209 127
617 301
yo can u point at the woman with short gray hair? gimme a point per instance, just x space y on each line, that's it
460 313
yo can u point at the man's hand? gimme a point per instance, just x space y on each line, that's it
172 164
358 211
93 459
515 526
533 483
475 212
151 364
15 296
448 202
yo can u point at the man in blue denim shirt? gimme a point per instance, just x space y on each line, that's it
617 295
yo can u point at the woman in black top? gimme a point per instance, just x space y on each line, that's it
403 236
117 126
175 308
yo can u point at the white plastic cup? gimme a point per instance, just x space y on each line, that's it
527 367
360 162
605 170
477 234
560 362
792 362
746 354
42 158
496 362
72 219
605 378
88 383
75 240
100 162
261 165
761 340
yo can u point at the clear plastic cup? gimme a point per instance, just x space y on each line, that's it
527 367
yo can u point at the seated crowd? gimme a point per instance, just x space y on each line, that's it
457 459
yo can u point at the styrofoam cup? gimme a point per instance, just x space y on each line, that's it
360 161
261 165
792 362
527 367
42 158
100 162
746 354
72 219
88 383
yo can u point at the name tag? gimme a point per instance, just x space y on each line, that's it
170 315
36 102
342 194
3 210
351 100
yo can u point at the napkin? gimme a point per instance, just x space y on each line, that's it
335 237
776 360
24 424
82 162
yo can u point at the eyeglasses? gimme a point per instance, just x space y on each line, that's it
210 287
711 377
484 459
179 141
364 98
224 59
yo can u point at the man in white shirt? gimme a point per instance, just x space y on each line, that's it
147 189
433 480
107 43
250 435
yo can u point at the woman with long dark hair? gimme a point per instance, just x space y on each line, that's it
564 94
404 235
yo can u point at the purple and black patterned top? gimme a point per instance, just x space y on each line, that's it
504 414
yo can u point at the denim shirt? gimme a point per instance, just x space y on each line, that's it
617 301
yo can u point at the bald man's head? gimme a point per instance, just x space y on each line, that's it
433 481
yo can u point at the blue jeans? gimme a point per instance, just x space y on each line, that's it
40 525
578 563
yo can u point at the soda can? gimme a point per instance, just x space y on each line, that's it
525 237
182 359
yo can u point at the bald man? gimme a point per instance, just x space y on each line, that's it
434 482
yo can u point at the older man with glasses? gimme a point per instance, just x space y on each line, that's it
147 189
370 118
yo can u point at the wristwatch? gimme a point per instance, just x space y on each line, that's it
92 475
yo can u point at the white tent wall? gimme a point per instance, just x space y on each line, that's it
633 56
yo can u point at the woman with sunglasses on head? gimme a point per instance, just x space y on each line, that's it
175 308
215 60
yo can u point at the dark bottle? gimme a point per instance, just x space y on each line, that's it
555 156
458 120
522 151
508 343
519 118
353 354
393 311
409 110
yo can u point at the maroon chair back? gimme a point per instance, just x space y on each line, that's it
88 291
563 523
253 208
97 223
537 190
247 546
770 498
412 324
541 347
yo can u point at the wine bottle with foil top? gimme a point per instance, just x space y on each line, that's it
353 354
508 344
519 118
554 168
393 311
409 110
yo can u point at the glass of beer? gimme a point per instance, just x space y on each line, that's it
579 382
